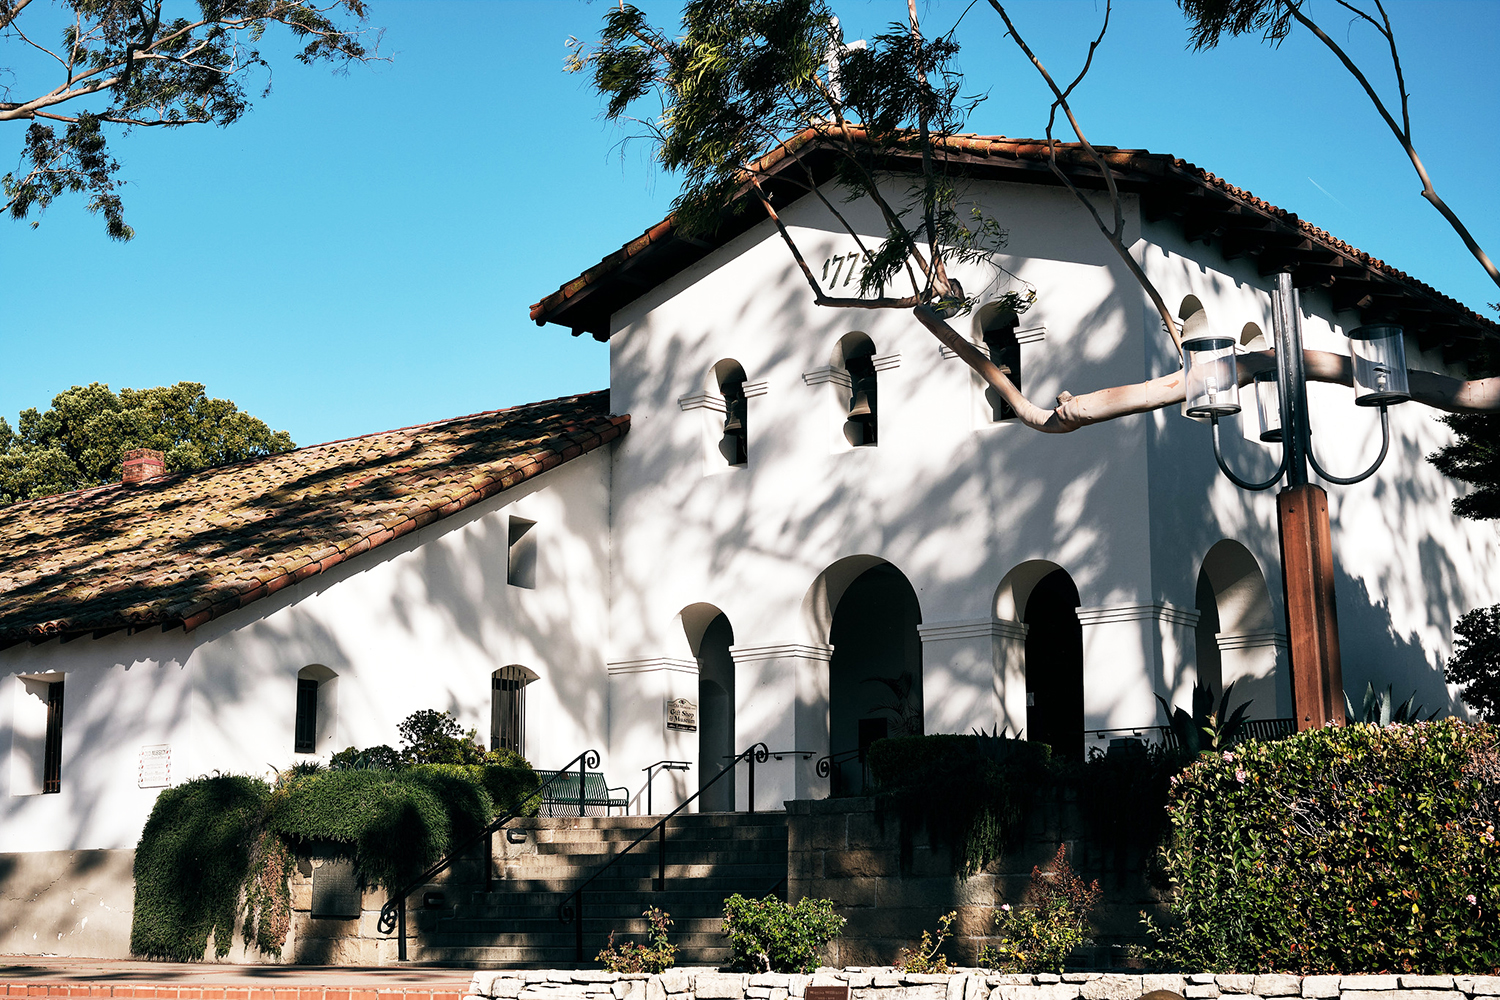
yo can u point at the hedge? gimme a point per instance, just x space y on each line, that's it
1342 850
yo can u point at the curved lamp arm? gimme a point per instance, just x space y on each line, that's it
1385 445
1243 484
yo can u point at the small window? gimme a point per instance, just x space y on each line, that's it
317 710
863 424
521 567
52 752
306 738
1005 352
508 708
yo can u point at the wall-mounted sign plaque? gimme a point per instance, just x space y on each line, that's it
827 993
155 768
682 715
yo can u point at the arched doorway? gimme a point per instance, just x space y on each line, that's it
1054 665
875 673
709 636
1237 642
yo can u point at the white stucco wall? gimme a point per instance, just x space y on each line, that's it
421 622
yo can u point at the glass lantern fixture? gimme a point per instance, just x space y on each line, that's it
1211 381
1379 365
1268 404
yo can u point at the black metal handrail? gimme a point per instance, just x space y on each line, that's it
826 765
393 913
665 765
570 910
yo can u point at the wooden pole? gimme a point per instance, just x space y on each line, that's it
1311 616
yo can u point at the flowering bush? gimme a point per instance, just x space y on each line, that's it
635 957
1352 849
1039 936
767 935
927 958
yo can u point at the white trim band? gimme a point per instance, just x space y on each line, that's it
703 400
653 664
753 389
1157 610
1251 640
886 362
828 373
994 628
781 651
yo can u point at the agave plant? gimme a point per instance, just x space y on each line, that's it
1380 708
1206 729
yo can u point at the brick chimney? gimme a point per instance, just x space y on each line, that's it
143 465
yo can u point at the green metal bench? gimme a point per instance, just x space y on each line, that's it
565 798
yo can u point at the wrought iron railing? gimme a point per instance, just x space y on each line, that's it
833 768
651 772
393 913
570 910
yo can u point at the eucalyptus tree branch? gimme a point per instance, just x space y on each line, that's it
9 10
1402 137
1113 236
929 196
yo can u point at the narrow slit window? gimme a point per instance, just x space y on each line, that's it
52 752
306 738
735 446
521 567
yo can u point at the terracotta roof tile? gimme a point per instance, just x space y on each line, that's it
184 549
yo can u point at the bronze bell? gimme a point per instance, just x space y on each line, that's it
862 400
734 418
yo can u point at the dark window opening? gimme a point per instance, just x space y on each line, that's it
52 755
863 425
306 733
508 710
521 561
736 444
869 731
1005 352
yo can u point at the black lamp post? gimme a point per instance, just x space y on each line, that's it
1212 392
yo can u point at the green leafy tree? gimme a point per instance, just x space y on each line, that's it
81 440
1475 662
125 64
1474 459
432 737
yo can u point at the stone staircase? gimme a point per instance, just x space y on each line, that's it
515 925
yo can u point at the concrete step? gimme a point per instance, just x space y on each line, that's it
546 956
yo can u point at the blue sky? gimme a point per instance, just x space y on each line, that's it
361 251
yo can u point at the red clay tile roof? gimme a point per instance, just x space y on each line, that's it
1207 205
187 548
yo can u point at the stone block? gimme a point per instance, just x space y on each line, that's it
1236 984
1112 987
926 991
1163 982
1200 991
1320 986
1400 994
859 863
860 980
924 979
957 987
590 976
1043 978
655 990
1485 985
1080 977
883 980
673 981
718 986
1426 982
798 984
1200 977
1010 979
778 993
1278 986
1051 991
771 979
483 983
868 830
506 987
758 993
1365 983
635 989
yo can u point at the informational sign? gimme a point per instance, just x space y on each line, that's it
155 769
682 715
335 889
827 992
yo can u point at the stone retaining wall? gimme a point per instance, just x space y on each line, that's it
886 984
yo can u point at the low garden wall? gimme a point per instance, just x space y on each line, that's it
886 984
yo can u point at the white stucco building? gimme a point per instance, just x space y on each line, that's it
555 582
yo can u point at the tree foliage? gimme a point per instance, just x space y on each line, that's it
142 63
80 441
1474 459
1475 662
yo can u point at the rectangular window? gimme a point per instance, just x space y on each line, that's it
52 754
521 567
306 738
507 713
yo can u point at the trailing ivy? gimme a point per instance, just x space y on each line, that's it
1352 849
193 859
217 850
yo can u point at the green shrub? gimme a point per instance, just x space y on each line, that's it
767 935
193 858
633 957
927 958
1039 935
379 758
1475 662
432 737
969 791
1351 849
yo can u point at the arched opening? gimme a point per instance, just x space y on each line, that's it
709 636
1252 339
1190 305
508 707
1236 636
875 673
1054 665
729 382
317 710
856 356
